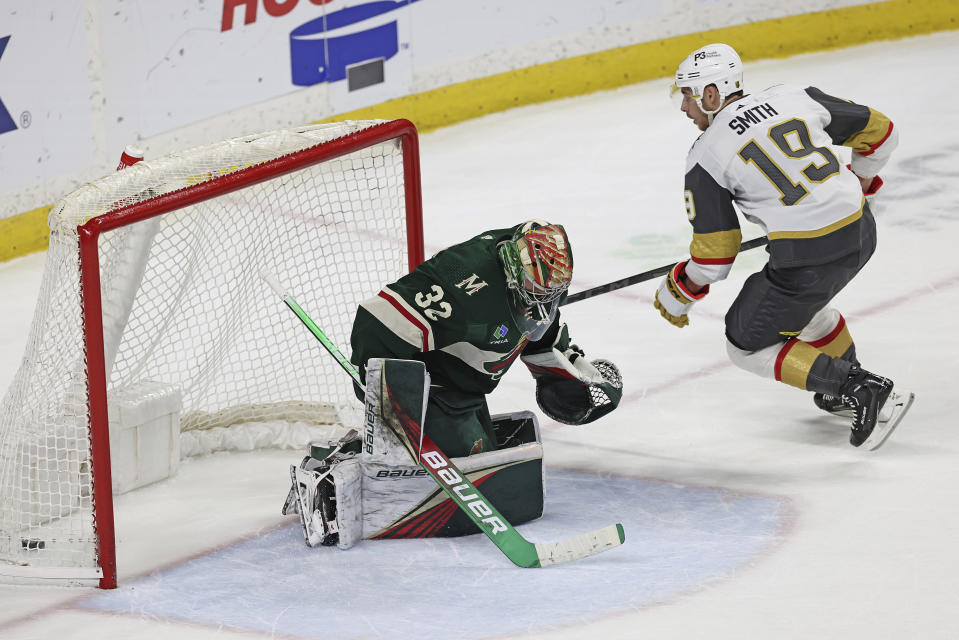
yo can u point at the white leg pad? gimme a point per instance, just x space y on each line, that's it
379 441
395 493
348 485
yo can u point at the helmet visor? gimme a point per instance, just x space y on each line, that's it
677 96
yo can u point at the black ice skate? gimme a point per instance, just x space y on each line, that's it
833 405
868 396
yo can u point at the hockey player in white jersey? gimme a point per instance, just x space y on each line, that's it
769 153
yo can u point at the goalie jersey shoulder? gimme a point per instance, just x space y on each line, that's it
455 309
458 283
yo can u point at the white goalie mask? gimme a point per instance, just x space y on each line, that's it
717 64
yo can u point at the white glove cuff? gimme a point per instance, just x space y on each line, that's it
557 363
587 372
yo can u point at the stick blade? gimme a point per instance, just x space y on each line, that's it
588 544
271 280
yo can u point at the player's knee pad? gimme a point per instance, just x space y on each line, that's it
396 394
821 325
761 362
827 331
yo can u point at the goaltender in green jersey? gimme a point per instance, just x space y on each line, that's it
467 313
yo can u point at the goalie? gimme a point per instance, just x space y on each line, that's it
467 313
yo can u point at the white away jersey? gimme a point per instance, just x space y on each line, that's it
771 154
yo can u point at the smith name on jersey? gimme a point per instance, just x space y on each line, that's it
455 313
770 153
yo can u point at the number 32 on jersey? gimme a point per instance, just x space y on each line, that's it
425 301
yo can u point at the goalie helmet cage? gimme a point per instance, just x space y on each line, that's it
151 282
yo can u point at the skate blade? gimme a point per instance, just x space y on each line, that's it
844 413
290 504
306 520
891 409
884 429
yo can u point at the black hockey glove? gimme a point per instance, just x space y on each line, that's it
571 401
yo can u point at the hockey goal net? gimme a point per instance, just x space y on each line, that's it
151 294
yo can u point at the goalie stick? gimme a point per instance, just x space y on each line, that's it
457 486
646 275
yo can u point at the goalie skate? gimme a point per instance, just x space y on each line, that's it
291 504
313 500
322 455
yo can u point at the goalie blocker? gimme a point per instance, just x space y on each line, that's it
368 486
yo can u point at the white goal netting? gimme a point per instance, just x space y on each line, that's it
185 309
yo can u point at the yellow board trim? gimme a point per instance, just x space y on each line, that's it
777 38
816 233
23 234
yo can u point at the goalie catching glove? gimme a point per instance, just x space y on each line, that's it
569 388
674 299
572 402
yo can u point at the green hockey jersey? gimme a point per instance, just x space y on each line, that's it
455 313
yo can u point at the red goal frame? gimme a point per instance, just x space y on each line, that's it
89 233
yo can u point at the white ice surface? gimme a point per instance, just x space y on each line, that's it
866 543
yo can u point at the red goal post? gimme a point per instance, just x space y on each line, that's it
151 312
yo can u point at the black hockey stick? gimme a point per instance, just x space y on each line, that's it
464 493
646 275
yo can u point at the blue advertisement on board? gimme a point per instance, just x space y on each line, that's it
349 44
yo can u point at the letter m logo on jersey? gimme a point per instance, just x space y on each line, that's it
6 122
